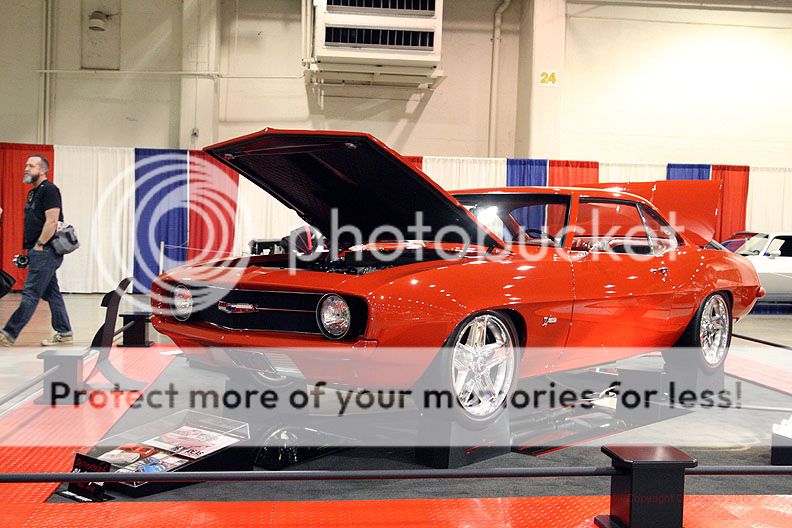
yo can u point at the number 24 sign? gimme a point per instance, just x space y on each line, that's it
548 78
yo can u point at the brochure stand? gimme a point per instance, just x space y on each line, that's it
183 441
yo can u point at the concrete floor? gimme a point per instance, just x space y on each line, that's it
86 314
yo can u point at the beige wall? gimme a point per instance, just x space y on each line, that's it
20 28
263 38
638 84
684 85
258 39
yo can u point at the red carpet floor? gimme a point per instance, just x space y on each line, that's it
40 438
559 512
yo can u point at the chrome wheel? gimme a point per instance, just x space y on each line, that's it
714 330
483 362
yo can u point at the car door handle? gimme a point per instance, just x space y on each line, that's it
663 270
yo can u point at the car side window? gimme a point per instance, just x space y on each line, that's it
610 227
782 244
539 221
661 235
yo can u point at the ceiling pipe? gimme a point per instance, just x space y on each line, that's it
493 102
46 99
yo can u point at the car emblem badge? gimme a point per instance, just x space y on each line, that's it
549 320
234 308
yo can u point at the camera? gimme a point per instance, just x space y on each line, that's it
21 261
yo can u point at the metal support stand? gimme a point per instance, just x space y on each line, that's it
136 325
454 446
63 369
63 375
650 491
103 341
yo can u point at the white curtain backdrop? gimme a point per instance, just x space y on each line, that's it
630 172
466 173
97 187
769 200
259 215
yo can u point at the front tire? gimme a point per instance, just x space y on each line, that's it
479 364
246 378
709 334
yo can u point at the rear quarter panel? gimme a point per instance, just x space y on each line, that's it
698 272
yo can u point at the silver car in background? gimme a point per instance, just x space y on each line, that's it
771 255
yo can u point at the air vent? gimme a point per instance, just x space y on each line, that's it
379 38
376 42
414 7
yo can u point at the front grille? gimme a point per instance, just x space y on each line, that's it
277 312
379 38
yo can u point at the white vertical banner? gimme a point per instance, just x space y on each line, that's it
769 205
97 186
465 173
631 172
259 215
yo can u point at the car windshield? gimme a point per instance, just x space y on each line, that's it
734 244
753 246
521 218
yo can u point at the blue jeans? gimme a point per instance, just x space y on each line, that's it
41 283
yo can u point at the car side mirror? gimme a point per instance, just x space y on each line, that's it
774 254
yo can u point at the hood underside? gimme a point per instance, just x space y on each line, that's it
353 175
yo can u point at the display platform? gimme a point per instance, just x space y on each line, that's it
158 368
580 447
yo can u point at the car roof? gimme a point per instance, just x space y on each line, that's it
580 192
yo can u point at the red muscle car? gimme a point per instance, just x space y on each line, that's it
500 284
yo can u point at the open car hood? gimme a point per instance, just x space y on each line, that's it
367 183
689 205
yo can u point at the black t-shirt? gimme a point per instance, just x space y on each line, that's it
40 199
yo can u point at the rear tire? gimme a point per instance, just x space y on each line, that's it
709 334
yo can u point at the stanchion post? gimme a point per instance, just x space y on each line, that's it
649 492
67 371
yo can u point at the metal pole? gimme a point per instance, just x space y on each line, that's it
227 476
27 386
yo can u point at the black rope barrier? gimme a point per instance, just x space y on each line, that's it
121 329
418 474
762 341
739 471
27 386
245 476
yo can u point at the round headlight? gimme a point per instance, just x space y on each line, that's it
182 303
333 316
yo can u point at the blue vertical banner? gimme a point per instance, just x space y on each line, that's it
527 173
683 171
161 213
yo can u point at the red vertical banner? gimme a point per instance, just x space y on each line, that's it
417 161
212 211
13 194
733 199
572 173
